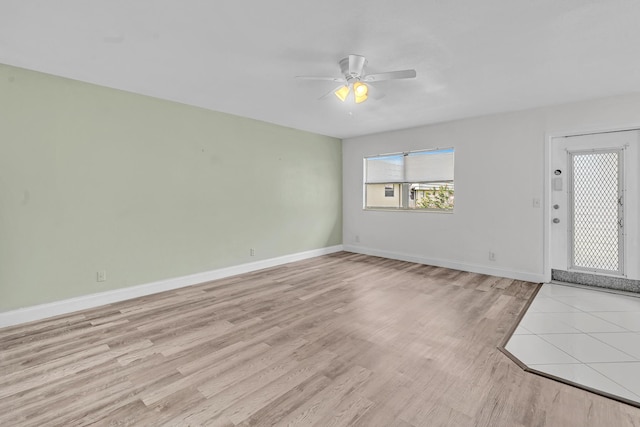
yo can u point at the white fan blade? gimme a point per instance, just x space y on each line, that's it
391 75
331 79
331 92
374 93
356 64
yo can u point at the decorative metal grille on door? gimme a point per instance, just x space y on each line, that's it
595 231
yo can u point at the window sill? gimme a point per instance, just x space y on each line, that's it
435 211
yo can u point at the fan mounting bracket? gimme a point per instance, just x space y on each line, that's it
346 72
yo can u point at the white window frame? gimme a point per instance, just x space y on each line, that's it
404 185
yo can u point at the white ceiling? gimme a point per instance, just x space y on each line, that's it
472 57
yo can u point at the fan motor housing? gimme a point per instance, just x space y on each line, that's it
344 67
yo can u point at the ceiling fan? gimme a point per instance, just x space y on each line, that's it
355 80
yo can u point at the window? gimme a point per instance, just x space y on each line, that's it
388 191
418 180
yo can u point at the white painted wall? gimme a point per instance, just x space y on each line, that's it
500 165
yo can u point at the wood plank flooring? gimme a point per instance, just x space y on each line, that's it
343 339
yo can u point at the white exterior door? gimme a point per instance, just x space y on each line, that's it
594 196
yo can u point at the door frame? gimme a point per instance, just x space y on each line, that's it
546 215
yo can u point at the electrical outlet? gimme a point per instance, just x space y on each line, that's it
492 256
252 252
101 276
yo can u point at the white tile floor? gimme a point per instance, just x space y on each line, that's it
588 337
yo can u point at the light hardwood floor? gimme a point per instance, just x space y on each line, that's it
342 339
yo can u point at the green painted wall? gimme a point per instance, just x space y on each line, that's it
94 178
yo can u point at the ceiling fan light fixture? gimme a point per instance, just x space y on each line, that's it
342 93
361 89
360 92
360 99
355 78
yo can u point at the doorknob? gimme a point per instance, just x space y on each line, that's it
556 220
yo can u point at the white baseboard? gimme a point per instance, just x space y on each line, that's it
455 265
43 311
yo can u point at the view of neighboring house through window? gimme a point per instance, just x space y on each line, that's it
389 190
417 180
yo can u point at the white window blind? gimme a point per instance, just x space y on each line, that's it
385 169
419 166
429 166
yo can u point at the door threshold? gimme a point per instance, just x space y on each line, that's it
597 280
596 288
